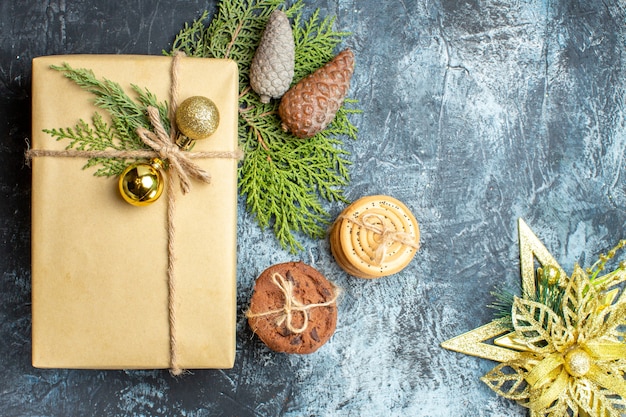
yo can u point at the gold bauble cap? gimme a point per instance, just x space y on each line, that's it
197 117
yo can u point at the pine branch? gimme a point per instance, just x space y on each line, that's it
126 116
147 99
284 180
315 42
83 137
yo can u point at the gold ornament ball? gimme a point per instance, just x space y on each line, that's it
552 274
577 362
141 183
197 117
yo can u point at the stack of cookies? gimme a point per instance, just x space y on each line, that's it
374 237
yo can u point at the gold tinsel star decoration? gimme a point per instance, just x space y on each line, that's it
562 349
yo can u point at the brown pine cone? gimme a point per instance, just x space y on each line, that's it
310 105
271 70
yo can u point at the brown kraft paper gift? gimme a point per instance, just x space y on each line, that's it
99 265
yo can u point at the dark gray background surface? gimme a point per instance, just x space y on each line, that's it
475 113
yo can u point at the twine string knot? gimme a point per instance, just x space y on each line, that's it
179 160
292 305
376 223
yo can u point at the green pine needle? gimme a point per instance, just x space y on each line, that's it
125 113
548 293
502 305
284 180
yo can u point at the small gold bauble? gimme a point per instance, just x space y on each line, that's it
577 362
552 274
141 183
197 118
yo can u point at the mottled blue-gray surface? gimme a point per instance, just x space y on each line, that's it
475 113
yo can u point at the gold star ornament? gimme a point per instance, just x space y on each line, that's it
562 349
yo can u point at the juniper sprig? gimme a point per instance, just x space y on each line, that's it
285 181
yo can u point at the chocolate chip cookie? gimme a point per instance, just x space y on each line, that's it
293 308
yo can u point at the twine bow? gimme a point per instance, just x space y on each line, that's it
292 304
388 234
178 159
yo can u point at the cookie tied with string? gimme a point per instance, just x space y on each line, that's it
375 236
293 308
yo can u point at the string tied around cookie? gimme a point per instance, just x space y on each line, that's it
292 305
388 234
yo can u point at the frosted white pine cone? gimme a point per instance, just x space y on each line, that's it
271 71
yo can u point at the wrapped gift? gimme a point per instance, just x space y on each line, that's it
101 294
